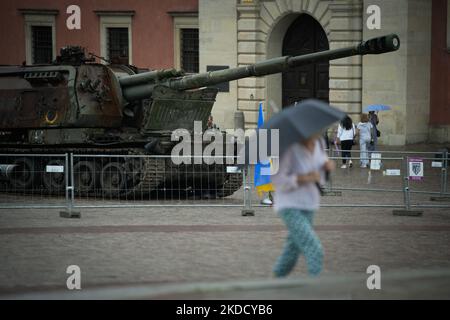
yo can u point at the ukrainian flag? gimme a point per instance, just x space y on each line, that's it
262 182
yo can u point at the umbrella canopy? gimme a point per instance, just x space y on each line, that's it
303 120
299 122
376 107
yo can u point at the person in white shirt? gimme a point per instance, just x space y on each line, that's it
365 139
302 168
345 135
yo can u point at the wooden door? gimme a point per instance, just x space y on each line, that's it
304 36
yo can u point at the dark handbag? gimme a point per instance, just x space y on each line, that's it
378 133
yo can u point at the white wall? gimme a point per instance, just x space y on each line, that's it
218 46
400 79
419 65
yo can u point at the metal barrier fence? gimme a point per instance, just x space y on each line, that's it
361 187
73 181
34 181
139 180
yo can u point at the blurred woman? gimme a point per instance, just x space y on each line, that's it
301 170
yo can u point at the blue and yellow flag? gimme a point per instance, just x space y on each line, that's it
262 182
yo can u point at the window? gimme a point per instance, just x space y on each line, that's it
39 35
189 50
186 41
117 44
42 45
116 36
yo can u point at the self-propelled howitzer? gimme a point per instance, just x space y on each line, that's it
77 105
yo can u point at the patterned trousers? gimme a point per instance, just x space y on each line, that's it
301 240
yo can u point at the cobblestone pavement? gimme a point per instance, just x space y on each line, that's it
158 246
174 245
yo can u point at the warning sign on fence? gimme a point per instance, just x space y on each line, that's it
415 168
375 161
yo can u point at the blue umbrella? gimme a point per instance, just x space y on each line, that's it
376 107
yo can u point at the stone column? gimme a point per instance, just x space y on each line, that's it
251 49
401 79
218 47
346 74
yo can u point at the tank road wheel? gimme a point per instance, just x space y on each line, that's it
24 175
112 179
85 176
55 182
132 171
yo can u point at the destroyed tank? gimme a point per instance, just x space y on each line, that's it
76 105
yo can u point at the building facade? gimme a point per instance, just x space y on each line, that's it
206 35
413 81
148 34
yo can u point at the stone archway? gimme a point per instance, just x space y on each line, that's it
317 10
262 25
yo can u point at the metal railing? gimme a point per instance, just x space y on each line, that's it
353 186
75 181
28 179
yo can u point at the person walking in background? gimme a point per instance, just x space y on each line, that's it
210 124
302 168
345 137
327 140
373 119
365 137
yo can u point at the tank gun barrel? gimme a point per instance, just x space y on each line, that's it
148 77
378 45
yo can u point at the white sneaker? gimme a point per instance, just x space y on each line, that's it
344 166
350 163
266 201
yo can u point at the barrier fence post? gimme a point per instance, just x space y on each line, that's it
247 210
445 171
406 194
328 188
70 190
444 175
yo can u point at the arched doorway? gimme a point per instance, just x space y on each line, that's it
305 35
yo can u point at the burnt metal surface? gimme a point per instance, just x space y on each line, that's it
98 101
34 98
172 109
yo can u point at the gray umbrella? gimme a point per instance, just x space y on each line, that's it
303 120
299 122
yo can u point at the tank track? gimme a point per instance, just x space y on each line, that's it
142 175
232 184
152 173
205 181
